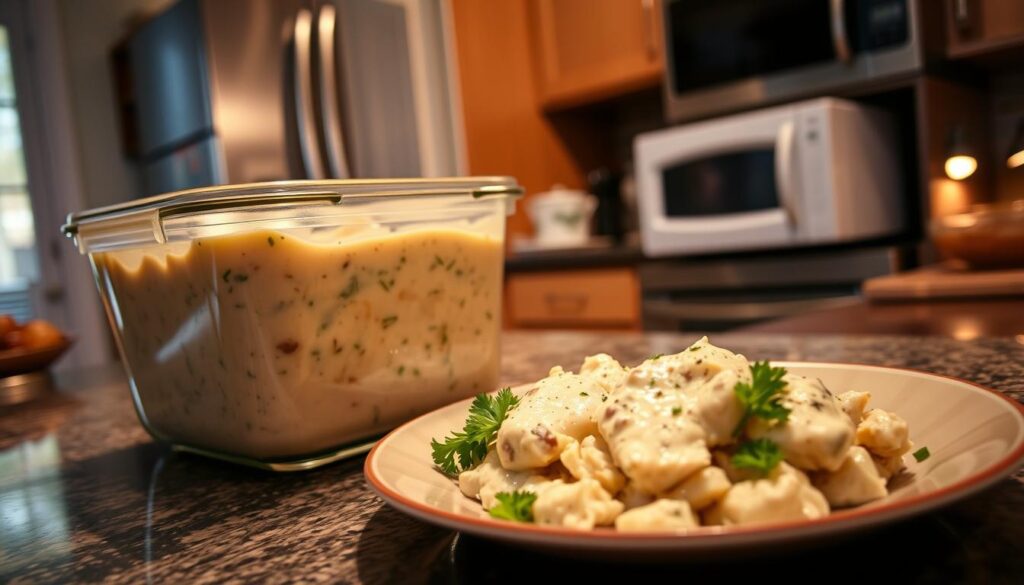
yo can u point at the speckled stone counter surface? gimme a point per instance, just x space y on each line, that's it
86 495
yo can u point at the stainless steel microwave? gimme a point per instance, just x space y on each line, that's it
813 172
728 55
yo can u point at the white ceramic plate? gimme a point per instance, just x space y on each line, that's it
975 436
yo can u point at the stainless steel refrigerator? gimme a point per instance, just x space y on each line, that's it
234 91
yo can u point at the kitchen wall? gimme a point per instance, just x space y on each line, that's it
89 30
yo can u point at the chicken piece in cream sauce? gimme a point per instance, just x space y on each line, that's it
557 411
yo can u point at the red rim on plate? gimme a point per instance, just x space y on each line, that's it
711 535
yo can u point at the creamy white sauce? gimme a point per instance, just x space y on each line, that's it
264 345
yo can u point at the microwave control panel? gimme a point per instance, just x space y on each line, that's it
878 24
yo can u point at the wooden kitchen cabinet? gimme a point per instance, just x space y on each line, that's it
976 28
597 298
589 50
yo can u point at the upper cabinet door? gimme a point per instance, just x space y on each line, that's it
589 50
975 27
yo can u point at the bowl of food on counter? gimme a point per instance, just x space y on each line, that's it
286 325
30 346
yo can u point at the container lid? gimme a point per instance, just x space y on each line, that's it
143 221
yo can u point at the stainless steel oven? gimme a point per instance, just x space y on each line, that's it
718 294
727 55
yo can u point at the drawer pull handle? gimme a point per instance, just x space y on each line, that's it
566 304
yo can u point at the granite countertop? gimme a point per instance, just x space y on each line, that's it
86 495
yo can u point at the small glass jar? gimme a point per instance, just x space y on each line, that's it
286 325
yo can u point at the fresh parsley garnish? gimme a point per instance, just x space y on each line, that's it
922 454
761 396
470 446
760 455
516 506
655 357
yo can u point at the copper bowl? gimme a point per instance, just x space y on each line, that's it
989 236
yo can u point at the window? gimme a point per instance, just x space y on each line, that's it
18 263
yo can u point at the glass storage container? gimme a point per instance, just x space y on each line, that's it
286 325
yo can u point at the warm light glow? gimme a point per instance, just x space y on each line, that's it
1016 159
949 197
966 329
960 166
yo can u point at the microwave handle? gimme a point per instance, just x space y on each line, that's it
840 40
785 160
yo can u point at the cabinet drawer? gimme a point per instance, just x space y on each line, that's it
580 298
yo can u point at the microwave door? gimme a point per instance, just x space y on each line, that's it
712 42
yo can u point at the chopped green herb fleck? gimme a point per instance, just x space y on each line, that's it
400 370
350 289
514 506
384 285
226 275
922 454
240 277
677 410
762 396
655 357
760 455
388 321
584 394
695 348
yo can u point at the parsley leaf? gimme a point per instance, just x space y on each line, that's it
516 506
761 396
761 455
922 454
470 446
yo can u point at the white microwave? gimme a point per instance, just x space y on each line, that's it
819 171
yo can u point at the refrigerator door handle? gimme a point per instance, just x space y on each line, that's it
302 36
330 117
